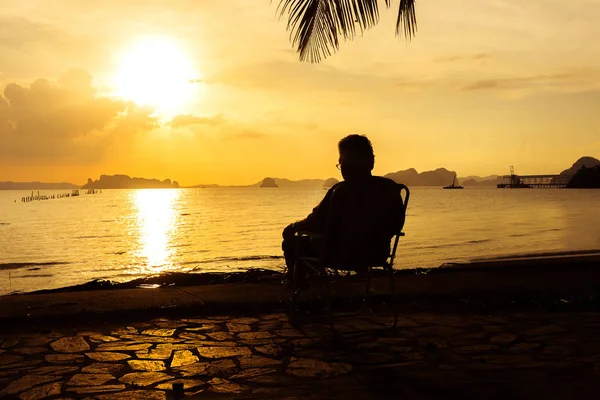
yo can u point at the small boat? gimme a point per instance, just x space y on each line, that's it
454 185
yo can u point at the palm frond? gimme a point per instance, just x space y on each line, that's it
316 25
407 19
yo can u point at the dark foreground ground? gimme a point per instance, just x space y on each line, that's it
435 356
499 333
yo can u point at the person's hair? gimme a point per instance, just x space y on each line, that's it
358 146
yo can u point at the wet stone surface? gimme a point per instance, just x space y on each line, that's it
266 356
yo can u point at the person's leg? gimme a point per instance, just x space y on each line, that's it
303 245
289 247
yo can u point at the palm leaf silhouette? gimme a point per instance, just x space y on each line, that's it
316 26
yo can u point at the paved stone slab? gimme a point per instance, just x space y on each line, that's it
89 379
134 395
523 348
204 327
257 362
191 336
255 335
41 392
503 338
253 372
99 368
27 382
54 370
97 389
308 368
215 368
223 352
103 339
183 357
124 331
270 349
107 356
73 344
475 349
64 358
238 328
7 359
30 350
244 321
147 365
9 343
21 366
136 339
545 330
144 378
117 347
41 340
155 354
187 384
221 336
159 332
219 385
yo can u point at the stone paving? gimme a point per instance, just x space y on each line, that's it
429 356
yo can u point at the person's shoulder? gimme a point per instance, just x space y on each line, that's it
380 180
336 188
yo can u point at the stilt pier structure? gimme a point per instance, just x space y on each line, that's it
514 181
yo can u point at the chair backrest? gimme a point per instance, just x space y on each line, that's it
362 220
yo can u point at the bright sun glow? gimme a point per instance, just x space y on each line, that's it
156 71
157 224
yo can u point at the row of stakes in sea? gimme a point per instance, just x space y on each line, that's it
38 197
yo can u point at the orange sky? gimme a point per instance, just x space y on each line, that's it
222 98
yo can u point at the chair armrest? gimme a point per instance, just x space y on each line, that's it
310 234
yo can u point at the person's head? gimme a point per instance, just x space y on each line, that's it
356 156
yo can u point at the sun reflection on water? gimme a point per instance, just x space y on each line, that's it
157 226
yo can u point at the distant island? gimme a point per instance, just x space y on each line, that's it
585 172
37 186
330 183
268 183
477 181
586 178
410 177
126 182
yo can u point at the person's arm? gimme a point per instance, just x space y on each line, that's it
315 221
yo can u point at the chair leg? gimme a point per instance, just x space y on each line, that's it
329 310
295 292
367 290
394 299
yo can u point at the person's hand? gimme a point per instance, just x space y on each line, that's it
289 231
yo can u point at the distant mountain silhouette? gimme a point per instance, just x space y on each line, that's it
411 177
283 183
212 185
330 182
491 180
37 186
586 178
587 162
268 183
126 182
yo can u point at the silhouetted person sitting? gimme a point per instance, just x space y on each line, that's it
365 214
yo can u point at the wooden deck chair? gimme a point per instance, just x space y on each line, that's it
369 220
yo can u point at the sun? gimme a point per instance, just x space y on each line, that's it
156 71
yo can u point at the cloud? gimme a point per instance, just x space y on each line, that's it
183 120
65 120
563 80
463 57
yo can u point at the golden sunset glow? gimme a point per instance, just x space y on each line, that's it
156 222
156 71
213 92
